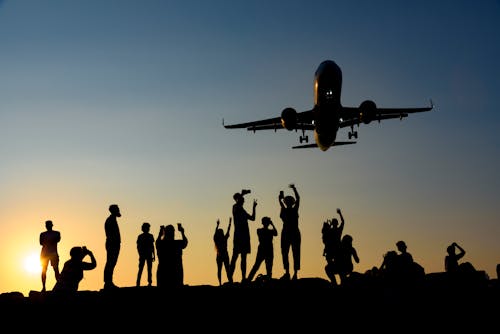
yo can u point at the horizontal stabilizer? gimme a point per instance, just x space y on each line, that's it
337 143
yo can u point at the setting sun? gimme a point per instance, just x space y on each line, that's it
32 263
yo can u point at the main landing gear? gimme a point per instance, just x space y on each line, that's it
303 137
353 133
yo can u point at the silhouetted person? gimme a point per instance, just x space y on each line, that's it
49 254
265 250
72 272
451 261
113 243
400 268
405 258
332 236
170 271
222 254
405 261
343 265
241 236
146 251
290 233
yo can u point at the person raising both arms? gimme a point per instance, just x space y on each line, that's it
290 233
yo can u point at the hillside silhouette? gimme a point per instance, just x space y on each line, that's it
262 305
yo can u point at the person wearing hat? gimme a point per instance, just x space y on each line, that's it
49 254
241 235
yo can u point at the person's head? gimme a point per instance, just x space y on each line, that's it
335 222
238 198
169 231
219 233
77 253
145 227
266 221
347 239
451 249
289 200
115 210
401 245
49 224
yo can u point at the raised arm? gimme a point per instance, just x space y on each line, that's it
229 226
296 193
281 196
89 265
252 216
341 225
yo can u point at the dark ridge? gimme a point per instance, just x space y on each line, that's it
264 305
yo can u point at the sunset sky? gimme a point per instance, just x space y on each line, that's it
122 102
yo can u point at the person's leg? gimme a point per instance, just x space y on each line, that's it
219 270
139 271
243 266
112 253
149 264
232 265
285 247
55 266
44 276
296 255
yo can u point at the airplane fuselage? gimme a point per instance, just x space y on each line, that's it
327 107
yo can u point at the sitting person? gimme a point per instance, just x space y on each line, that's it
72 272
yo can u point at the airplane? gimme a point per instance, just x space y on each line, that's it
327 115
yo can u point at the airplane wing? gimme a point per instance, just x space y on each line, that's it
303 122
368 112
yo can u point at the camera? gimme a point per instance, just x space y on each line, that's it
245 191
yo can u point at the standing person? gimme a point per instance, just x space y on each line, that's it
113 243
290 233
72 272
222 254
265 250
49 240
170 271
241 237
146 250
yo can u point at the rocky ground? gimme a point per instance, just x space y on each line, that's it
311 304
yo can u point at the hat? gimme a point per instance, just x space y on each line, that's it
266 220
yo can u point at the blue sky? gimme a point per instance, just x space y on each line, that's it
122 102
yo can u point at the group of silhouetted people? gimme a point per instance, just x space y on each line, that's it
339 252
166 248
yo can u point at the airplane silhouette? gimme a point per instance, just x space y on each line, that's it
328 115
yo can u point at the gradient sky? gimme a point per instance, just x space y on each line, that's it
122 102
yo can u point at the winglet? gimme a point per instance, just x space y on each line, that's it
432 103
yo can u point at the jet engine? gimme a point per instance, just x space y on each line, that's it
367 111
289 118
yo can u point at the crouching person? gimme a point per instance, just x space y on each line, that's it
72 272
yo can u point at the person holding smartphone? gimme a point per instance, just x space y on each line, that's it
72 272
170 271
